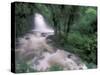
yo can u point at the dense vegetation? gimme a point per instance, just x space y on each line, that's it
75 27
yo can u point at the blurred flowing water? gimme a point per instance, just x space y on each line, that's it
39 55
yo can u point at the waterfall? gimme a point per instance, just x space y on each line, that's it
39 54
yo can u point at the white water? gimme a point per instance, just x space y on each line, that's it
35 44
41 26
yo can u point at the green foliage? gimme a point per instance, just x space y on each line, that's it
91 65
86 44
22 67
55 68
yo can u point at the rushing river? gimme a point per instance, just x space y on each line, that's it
40 55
